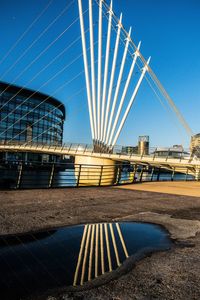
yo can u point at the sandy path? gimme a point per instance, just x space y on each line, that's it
177 188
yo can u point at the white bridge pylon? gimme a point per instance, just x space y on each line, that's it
106 102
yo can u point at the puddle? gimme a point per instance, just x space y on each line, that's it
71 256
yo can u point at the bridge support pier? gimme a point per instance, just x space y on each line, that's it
95 171
197 174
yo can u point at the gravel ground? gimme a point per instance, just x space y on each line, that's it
174 274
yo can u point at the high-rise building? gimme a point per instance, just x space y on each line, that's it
143 144
27 116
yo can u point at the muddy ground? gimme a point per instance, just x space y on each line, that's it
174 274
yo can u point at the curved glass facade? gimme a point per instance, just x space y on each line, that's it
30 117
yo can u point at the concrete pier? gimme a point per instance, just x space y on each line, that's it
197 174
95 171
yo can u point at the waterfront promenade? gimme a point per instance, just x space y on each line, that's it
173 274
176 187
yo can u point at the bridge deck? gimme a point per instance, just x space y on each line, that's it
182 162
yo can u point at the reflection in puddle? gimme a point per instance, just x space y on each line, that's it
102 235
37 262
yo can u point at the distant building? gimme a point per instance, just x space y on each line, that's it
143 145
195 144
176 151
177 147
130 149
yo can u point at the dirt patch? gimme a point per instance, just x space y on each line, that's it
191 214
26 210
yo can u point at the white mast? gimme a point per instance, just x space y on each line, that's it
112 76
92 68
106 69
130 103
86 67
99 72
136 54
118 85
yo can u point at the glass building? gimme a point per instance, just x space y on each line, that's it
27 116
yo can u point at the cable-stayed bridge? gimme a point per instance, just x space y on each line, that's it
182 164
107 109
114 69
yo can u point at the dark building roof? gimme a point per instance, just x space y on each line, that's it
32 94
196 135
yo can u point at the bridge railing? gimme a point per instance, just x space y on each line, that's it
153 152
80 148
17 174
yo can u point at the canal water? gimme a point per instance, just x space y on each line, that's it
37 262
12 176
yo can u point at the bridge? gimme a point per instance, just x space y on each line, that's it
182 164
111 95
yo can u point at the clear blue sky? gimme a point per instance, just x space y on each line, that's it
170 34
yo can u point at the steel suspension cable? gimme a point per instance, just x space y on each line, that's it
149 69
52 110
48 97
54 107
49 113
43 266
148 81
40 54
75 94
53 77
25 32
57 90
44 84
167 108
106 136
157 82
38 104
36 40
43 69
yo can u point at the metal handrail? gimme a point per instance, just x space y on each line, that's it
29 174
116 150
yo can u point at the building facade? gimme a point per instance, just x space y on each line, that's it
27 116
176 151
130 150
143 145
195 144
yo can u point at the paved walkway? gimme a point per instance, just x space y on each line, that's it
186 188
